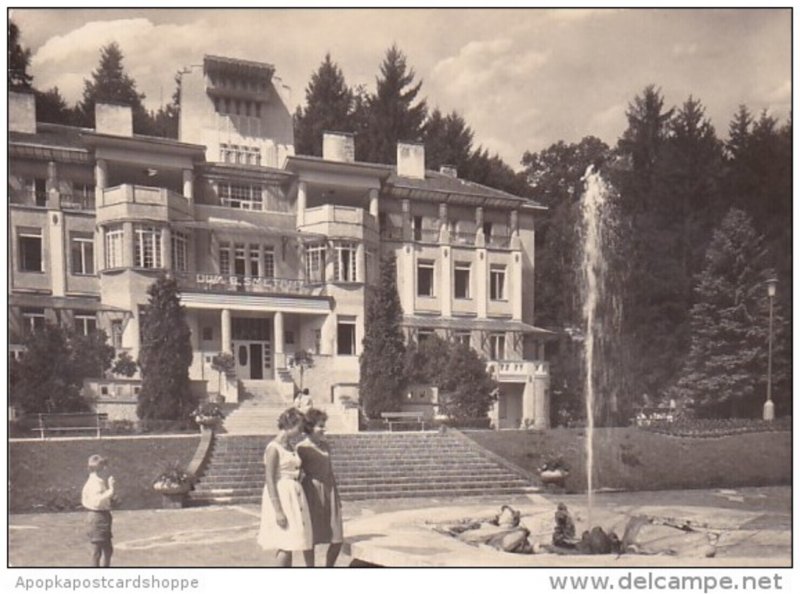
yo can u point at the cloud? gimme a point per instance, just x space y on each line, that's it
608 123
781 94
682 50
569 15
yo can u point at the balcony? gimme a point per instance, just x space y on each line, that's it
211 282
498 241
463 238
517 371
145 195
28 197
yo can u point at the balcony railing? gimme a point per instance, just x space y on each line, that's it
391 232
463 237
233 283
499 241
29 197
77 201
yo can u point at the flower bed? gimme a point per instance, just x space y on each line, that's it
718 427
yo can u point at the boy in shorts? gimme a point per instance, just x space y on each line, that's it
96 497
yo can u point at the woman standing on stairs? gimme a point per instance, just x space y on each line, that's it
319 485
285 517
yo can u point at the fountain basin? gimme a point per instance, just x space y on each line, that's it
413 538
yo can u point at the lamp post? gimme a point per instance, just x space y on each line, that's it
769 406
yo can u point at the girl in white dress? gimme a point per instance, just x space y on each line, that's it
285 518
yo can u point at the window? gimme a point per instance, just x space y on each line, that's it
288 337
245 197
114 240
255 259
344 266
225 258
424 334
82 253
497 347
346 336
40 191
461 281
207 333
425 279
317 341
85 322
239 260
147 247
463 337
180 244
269 261
116 334
315 263
487 231
416 225
33 318
369 263
30 250
497 283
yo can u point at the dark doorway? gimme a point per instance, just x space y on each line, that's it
256 362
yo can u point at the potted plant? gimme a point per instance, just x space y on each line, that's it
174 483
208 414
223 363
553 471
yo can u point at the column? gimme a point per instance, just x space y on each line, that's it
99 248
225 333
188 184
280 358
374 203
127 244
480 240
406 205
408 285
481 282
166 247
301 203
56 248
513 223
445 282
541 414
100 180
361 263
444 224
516 285
530 400
51 186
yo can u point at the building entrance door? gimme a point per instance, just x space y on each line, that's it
252 348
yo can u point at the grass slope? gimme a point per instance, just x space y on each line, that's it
49 475
636 460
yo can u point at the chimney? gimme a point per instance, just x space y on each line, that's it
449 171
411 160
338 146
114 119
21 112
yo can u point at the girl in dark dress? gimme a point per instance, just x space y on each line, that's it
319 485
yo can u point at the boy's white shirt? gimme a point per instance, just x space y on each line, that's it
96 495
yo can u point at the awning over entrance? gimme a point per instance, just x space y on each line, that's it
265 303
484 324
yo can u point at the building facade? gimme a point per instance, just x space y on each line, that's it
272 251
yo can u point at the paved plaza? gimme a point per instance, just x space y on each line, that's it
753 524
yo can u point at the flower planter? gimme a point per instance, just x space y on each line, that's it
207 421
553 478
173 497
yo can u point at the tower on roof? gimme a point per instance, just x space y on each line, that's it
238 109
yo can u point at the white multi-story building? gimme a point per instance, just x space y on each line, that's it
272 250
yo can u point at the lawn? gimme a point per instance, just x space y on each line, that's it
632 459
49 475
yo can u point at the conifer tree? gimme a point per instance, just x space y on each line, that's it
448 140
329 105
19 59
165 356
382 380
110 83
52 107
393 114
725 371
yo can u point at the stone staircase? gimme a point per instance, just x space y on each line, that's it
367 466
257 414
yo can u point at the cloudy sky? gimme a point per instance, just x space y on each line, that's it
522 78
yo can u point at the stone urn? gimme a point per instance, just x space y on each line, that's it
554 478
173 497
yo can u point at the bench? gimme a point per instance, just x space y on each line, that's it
394 418
57 422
